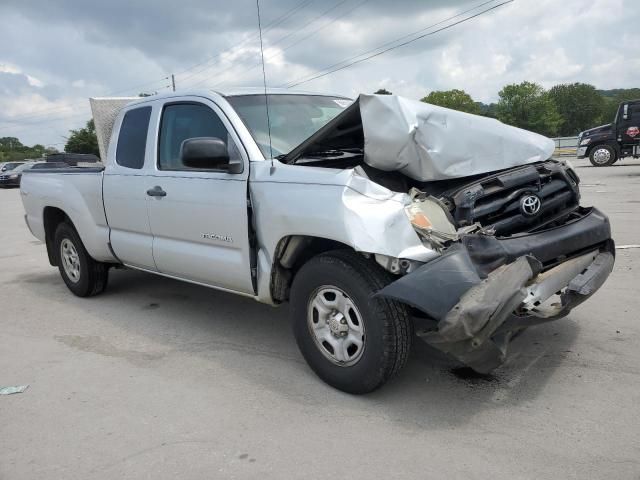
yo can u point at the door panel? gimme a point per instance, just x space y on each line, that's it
630 128
200 227
124 189
125 202
200 231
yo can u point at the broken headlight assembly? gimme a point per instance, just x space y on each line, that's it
431 220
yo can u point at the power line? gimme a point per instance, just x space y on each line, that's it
300 40
231 67
270 26
348 63
63 109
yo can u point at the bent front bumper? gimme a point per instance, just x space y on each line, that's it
581 152
485 290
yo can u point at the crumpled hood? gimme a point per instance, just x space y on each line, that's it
426 142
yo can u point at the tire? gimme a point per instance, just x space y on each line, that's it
83 275
602 156
383 326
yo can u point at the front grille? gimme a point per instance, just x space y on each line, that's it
495 202
4 177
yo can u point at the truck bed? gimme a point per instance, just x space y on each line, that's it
72 191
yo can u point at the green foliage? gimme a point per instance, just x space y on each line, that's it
487 110
12 150
580 106
382 91
454 99
527 105
83 140
613 98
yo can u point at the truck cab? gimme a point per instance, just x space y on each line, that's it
606 144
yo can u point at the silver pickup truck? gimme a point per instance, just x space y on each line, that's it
378 219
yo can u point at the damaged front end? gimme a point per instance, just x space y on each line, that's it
504 242
497 277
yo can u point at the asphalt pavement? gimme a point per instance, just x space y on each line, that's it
161 379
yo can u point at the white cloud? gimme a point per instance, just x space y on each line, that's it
67 54
33 81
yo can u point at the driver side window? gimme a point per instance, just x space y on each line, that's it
182 121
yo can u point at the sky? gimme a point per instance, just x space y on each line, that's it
54 55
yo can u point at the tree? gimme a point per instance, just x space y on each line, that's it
10 143
382 91
83 140
454 99
613 98
527 105
579 105
13 150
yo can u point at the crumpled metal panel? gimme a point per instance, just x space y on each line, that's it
427 143
340 205
105 110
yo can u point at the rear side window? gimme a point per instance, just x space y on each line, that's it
132 138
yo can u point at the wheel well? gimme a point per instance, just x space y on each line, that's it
52 217
291 253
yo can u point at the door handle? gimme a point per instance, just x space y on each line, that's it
156 191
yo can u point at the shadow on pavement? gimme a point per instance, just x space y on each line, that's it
255 342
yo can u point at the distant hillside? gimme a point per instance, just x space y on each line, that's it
626 93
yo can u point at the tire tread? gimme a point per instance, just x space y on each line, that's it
397 325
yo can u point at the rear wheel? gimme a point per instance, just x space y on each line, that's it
603 156
353 341
82 274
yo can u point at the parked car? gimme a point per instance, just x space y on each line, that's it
375 218
606 144
5 167
12 178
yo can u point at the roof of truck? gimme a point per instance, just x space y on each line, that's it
226 92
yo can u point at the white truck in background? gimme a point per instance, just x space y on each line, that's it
374 218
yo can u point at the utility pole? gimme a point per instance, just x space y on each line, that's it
173 82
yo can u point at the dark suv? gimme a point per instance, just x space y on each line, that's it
11 178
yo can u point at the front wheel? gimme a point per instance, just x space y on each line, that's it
602 156
81 273
353 341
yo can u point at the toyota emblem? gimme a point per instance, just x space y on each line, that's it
530 205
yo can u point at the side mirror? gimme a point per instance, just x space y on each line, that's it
207 153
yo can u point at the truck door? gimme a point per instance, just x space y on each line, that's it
200 221
629 124
124 192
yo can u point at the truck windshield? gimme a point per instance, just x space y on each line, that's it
293 118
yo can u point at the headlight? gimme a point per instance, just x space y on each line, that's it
13 177
430 220
584 142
